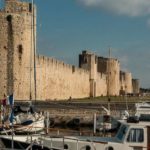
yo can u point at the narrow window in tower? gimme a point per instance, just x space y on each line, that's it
73 69
20 51
9 18
5 47
30 7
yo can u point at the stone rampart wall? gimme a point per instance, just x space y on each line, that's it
101 85
57 80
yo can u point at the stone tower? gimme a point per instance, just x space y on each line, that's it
110 67
136 86
17 49
113 70
128 82
88 61
125 83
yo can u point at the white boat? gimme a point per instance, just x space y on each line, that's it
29 123
142 108
21 142
130 136
25 122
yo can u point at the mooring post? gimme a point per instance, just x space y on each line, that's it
47 122
12 142
94 125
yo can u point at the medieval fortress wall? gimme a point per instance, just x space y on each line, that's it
98 80
96 76
57 80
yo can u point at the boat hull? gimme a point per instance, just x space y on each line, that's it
7 143
34 127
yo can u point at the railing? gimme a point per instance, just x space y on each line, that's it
73 139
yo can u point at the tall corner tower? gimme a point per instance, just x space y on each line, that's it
110 67
88 61
17 48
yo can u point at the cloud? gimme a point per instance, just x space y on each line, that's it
121 7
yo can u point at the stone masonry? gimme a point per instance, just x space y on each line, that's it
29 76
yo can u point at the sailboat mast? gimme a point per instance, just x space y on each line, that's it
109 78
108 72
30 70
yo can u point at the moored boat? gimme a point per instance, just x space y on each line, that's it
130 136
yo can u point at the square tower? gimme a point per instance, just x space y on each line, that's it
17 49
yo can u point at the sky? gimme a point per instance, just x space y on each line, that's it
66 27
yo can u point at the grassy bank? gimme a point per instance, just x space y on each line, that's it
129 99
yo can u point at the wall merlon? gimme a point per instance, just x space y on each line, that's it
87 52
77 70
49 60
101 75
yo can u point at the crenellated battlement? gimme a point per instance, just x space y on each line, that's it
16 6
50 61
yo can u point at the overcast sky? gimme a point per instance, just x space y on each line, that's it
66 27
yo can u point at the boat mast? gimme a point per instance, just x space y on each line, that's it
108 74
31 57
